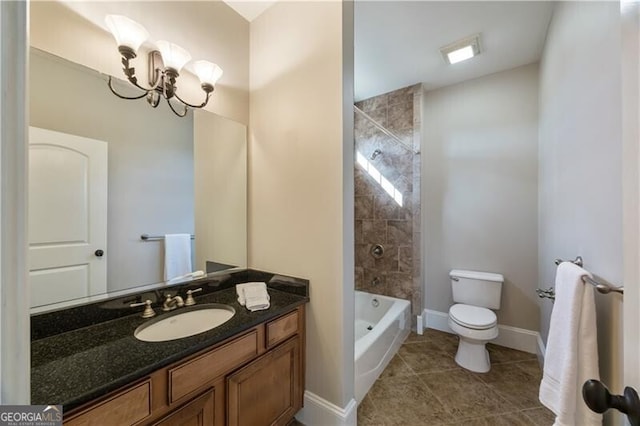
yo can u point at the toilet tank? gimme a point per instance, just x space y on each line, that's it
476 288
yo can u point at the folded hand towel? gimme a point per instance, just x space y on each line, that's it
253 295
571 355
177 255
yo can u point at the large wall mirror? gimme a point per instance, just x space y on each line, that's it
150 171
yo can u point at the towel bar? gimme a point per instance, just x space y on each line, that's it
147 237
603 288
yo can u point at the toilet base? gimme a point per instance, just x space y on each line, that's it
473 355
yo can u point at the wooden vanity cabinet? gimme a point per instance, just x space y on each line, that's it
255 378
267 391
199 412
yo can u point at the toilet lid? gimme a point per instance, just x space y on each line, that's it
473 317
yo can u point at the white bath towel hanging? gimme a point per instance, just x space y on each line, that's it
571 355
177 255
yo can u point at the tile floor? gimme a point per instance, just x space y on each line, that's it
424 386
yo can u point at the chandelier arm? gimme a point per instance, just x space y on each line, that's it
206 100
176 112
154 102
113 90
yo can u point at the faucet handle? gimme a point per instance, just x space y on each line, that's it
148 310
190 301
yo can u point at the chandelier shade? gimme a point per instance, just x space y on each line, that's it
207 72
164 66
127 32
173 56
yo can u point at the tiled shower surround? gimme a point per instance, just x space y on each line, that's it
387 195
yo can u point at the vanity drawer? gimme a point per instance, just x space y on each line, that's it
282 328
125 408
191 375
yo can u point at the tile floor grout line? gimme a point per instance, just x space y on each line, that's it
441 347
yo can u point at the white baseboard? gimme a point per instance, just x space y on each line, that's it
436 320
419 325
541 350
510 337
319 411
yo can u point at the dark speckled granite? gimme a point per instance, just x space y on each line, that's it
75 367
65 320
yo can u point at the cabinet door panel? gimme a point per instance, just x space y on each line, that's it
199 412
266 392
127 407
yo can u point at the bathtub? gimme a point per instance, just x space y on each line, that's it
382 324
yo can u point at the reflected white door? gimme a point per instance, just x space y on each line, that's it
67 216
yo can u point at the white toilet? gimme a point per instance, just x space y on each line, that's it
471 318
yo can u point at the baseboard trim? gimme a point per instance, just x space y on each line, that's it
319 411
542 349
510 337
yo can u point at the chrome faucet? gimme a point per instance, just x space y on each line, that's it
170 303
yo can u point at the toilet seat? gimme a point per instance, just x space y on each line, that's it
473 317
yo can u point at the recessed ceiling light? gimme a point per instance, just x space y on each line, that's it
461 50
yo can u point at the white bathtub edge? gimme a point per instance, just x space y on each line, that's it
510 337
319 411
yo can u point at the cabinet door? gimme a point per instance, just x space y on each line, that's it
266 391
199 412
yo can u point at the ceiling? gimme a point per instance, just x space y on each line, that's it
250 9
397 43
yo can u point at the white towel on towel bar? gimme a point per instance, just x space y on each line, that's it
177 255
571 356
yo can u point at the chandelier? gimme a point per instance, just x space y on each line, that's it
165 64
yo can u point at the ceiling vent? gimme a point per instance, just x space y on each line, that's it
461 50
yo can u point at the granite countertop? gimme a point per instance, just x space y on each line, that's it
77 366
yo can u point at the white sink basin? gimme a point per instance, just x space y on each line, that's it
184 322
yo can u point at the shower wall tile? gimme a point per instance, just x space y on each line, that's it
405 259
400 231
363 207
374 231
363 257
388 262
379 218
385 207
359 277
357 231
363 184
401 284
371 104
401 95
380 116
375 281
400 117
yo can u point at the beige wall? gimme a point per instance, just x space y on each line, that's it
209 30
479 178
220 189
296 177
581 161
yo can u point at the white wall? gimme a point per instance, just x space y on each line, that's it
581 160
479 178
296 177
209 30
